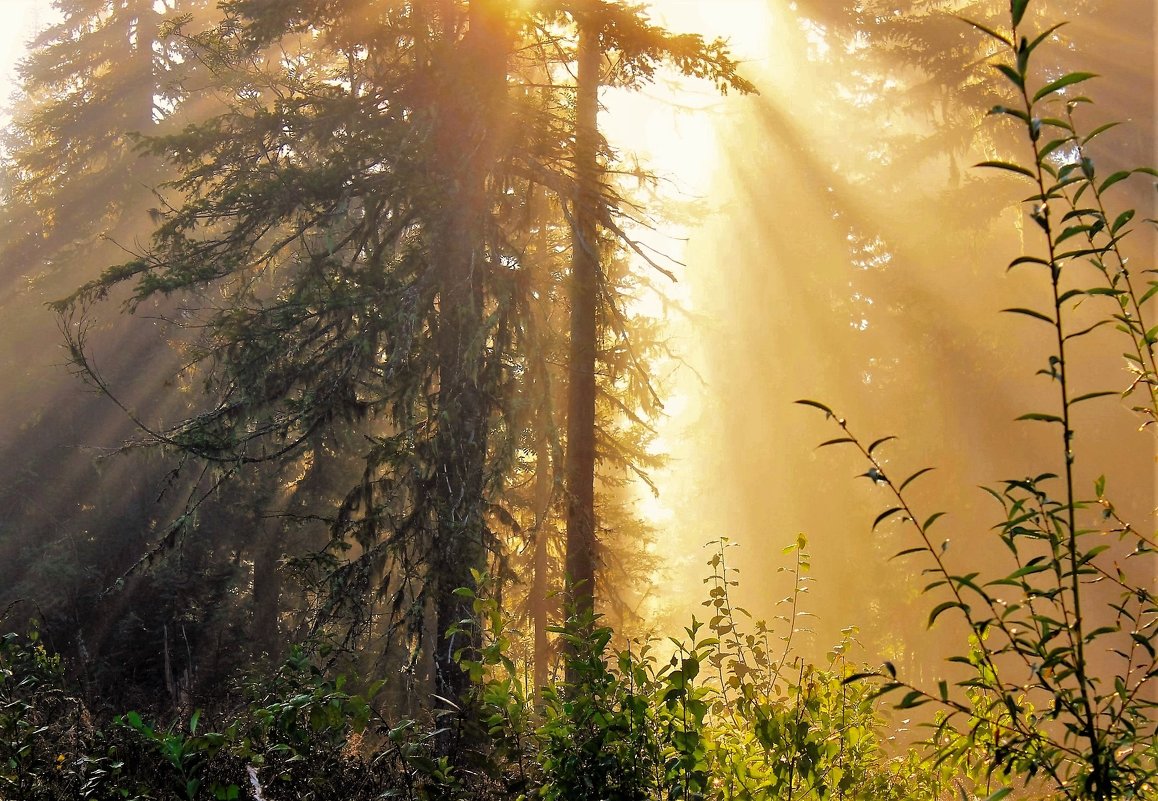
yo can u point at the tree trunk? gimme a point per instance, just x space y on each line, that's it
267 639
579 471
464 139
544 479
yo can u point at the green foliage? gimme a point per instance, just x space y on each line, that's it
48 746
28 676
721 713
307 233
1061 662
782 728
301 737
186 754
597 739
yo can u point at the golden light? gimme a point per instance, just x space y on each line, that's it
22 18
673 127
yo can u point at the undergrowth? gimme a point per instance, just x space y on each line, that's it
726 711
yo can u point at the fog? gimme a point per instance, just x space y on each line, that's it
853 256
839 247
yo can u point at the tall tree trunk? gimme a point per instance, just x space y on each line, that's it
465 145
579 470
267 638
143 29
544 479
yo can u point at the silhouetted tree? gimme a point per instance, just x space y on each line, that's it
344 243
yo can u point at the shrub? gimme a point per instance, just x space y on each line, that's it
1034 700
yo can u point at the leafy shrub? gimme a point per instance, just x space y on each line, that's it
1034 700
721 713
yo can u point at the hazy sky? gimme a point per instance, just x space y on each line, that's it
20 20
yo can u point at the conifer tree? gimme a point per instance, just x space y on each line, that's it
580 459
601 28
76 195
341 235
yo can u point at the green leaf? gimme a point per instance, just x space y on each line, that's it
837 441
1028 260
1121 220
1078 213
1100 130
193 721
908 551
1062 82
941 607
912 699
1120 175
1000 794
987 30
134 720
933 518
1071 231
1029 570
1054 122
884 689
1087 330
817 405
1023 53
1144 641
1030 313
1041 37
1017 10
1092 395
1015 77
913 477
1051 146
885 515
1012 112
1040 417
1008 167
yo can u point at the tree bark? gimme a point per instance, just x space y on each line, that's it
465 149
267 637
540 611
579 470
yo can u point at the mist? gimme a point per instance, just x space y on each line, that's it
853 256
289 354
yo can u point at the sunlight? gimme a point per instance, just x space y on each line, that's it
504 455
827 268
671 125
22 18
674 128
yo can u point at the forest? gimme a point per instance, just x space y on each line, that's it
580 400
